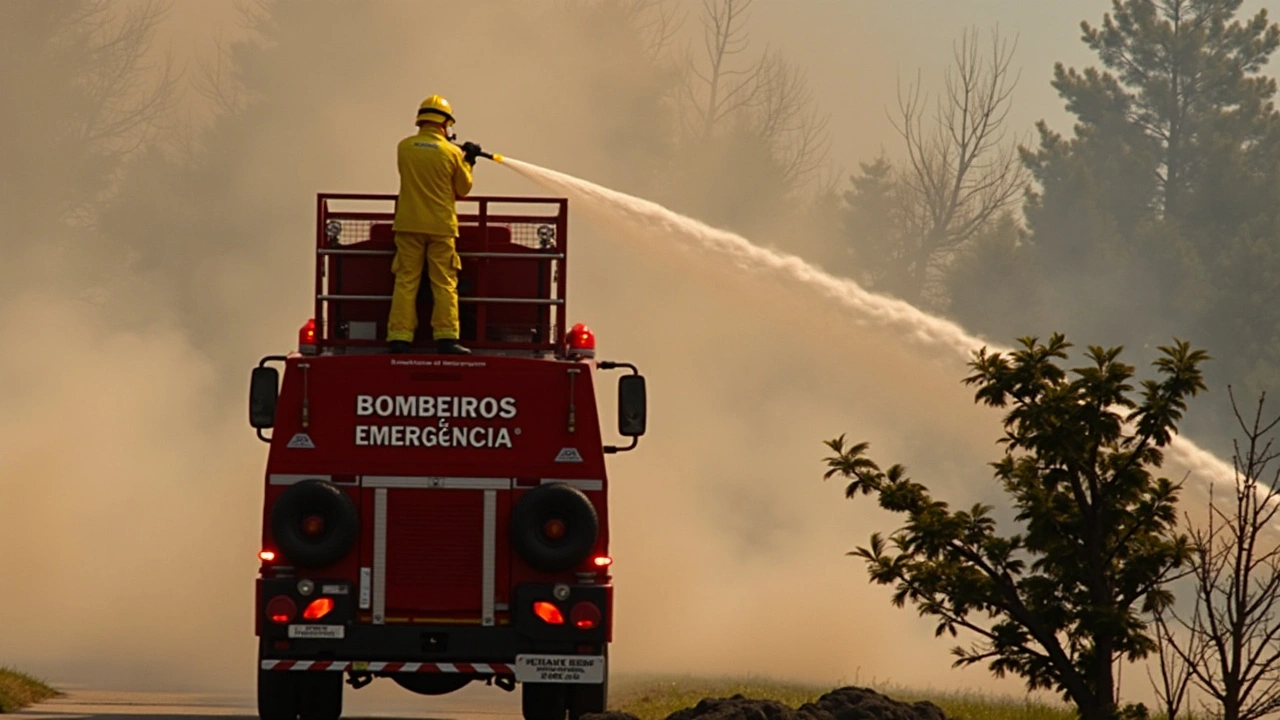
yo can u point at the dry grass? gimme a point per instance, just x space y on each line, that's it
18 690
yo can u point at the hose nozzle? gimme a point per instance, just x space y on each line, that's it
472 151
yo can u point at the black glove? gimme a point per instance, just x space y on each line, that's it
470 151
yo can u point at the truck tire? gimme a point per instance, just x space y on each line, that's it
314 498
320 695
587 699
277 695
547 503
542 701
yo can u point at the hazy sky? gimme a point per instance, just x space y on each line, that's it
831 40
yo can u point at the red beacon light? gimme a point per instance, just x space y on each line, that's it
581 342
307 338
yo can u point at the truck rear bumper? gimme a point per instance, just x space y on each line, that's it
374 667
429 644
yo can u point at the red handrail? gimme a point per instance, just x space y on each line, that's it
328 264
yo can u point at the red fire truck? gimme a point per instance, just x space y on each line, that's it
438 519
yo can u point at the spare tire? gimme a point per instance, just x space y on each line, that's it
554 527
314 523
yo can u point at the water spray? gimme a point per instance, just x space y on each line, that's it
912 325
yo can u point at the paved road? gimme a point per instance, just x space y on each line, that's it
382 699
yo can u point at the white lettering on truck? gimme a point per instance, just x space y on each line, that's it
436 406
442 408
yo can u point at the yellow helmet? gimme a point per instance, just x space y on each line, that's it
435 105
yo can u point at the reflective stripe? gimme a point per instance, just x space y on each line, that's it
388 667
489 561
447 483
379 555
585 485
287 479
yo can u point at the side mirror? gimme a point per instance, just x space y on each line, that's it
632 406
264 386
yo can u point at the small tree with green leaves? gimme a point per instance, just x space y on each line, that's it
1060 602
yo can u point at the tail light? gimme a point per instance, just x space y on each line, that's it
267 556
581 342
318 608
585 616
307 338
281 609
549 613
602 561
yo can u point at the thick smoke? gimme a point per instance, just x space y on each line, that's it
130 483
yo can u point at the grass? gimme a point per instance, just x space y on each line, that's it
18 690
654 698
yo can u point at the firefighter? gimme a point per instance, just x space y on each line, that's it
433 174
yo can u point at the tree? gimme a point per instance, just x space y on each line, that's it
1165 200
82 95
1060 602
1230 641
766 101
992 286
960 174
1181 73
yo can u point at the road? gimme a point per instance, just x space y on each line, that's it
382 699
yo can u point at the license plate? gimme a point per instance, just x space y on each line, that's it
582 669
325 632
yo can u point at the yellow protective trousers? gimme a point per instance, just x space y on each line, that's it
442 261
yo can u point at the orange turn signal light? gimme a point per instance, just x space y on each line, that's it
318 608
549 613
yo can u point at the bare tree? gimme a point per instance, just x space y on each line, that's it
962 170
95 93
787 113
127 96
1175 669
657 20
1233 633
767 96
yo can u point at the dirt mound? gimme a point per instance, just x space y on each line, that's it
851 703
848 703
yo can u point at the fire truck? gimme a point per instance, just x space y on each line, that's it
438 520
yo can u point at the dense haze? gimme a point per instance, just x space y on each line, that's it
130 482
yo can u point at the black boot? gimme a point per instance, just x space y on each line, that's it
450 346
400 347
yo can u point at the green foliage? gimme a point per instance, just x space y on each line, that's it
1162 210
993 283
1060 601
875 222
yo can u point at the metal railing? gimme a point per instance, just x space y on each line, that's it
525 230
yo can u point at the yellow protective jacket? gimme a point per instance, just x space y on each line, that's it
432 176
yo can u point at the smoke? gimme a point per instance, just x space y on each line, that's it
130 483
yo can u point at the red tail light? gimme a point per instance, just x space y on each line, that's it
549 613
281 609
581 341
585 616
602 561
267 556
307 337
318 608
